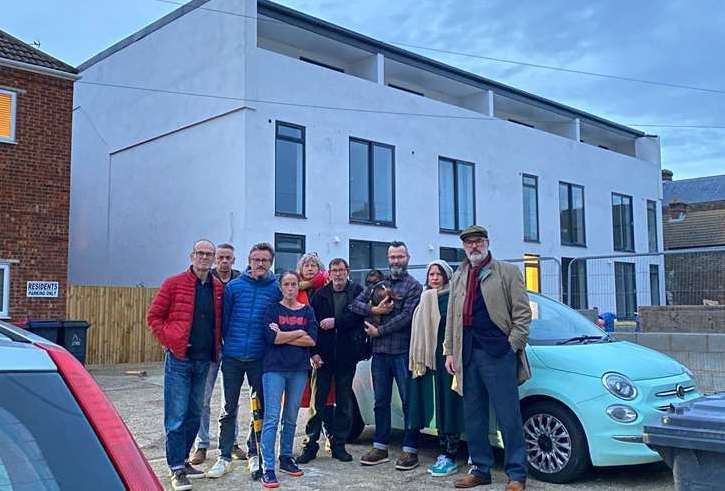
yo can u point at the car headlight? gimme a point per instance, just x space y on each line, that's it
619 386
621 413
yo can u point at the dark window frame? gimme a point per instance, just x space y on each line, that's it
570 212
629 298
371 180
460 254
622 233
456 163
277 250
580 284
371 256
302 141
652 246
322 64
654 281
535 187
404 89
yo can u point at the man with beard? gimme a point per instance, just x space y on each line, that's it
486 331
390 346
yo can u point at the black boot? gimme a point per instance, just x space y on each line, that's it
339 453
309 453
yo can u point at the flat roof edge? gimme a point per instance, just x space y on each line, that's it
142 33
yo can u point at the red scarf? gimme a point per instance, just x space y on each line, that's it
471 285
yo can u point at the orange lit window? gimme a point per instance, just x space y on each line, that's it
532 272
7 116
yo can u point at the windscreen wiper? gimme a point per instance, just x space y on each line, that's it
581 339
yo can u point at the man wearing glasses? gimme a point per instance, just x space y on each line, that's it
186 318
245 302
486 331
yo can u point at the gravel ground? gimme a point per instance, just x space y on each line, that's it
139 399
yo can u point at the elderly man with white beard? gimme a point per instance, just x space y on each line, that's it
486 331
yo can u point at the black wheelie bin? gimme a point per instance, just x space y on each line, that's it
690 437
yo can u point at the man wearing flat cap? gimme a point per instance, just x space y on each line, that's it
486 331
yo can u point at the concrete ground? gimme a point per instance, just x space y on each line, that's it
139 399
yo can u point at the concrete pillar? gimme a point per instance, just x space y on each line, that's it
648 148
370 68
573 130
480 101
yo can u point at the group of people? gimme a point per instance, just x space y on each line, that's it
453 346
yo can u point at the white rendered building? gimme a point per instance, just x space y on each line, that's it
245 121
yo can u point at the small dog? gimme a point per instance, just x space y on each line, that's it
378 292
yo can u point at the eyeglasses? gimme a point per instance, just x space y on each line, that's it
474 242
336 270
256 260
203 254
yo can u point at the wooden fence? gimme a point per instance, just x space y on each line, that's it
118 332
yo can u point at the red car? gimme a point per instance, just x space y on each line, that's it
58 430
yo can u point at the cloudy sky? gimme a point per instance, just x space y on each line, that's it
679 42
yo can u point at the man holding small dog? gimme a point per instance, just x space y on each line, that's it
390 346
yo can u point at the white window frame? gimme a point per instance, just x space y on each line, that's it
13 111
5 300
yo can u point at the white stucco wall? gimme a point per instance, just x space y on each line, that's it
216 179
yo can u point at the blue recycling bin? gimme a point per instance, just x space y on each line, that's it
75 338
52 330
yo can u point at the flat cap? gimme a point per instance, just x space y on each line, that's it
473 231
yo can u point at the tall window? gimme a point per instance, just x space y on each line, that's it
571 214
578 269
456 202
288 249
289 170
366 255
652 225
625 287
4 290
654 284
7 116
622 222
372 185
531 208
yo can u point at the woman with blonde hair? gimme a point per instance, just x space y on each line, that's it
313 276
430 393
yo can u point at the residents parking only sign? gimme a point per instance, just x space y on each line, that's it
46 289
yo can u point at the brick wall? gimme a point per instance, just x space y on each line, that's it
35 191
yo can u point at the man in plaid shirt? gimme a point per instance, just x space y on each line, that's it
390 345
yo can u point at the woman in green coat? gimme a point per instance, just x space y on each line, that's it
432 401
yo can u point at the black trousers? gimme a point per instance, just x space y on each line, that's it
340 421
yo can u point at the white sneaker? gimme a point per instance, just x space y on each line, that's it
253 463
220 467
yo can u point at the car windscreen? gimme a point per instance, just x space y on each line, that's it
553 322
46 443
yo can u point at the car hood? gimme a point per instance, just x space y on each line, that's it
595 359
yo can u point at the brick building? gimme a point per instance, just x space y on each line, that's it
36 105
693 216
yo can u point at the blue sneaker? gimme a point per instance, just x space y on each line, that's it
443 467
289 466
269 479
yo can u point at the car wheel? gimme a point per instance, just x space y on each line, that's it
358 425
556 447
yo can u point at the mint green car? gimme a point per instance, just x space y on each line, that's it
587 399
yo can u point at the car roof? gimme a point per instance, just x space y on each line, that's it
19 354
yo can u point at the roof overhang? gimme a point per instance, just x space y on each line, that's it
28 67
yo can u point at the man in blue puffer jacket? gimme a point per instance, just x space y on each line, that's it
245 302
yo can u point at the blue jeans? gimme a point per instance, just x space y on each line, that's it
489 378
274 384
184 382
384 369
202 438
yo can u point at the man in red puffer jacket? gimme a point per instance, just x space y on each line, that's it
186 318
